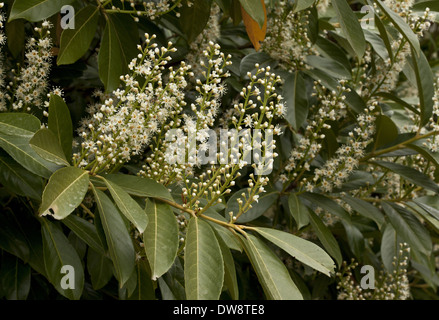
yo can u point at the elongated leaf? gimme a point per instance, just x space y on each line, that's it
160 237
390 245
141 187
60 123
20 150
58 252
64 192
256 27
86 231
365 209
119 242
75 42
15 37
331 67
20 181
303 250
296 99
100 269
128 206
203 264
36 10
303 4
15 278
255 9
350 26
118 47
386 131
326 238
45 143
258 208
412 175
329 205
144 287
199 11
226 235
271 272
408 228
229 269
298 210
19 124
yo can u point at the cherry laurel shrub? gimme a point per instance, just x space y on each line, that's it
270 150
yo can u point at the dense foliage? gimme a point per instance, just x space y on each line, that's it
219 149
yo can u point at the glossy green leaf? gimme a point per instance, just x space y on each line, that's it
298 210
58 252
316 199
118 47
15 37
20 150
120 245
64 192
19 124
75 42
60 123
326 237
303 250
199 11
131 210
255 9
365 209
271 272
36 10
45 143
408 228
14 278
160 237
141 187
258 208
144 287
294 92
410 174
302 5
230 279
18 180
386 131
350 26
203 264
331 67
100 269
390 245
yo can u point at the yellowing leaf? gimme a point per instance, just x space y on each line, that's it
254 31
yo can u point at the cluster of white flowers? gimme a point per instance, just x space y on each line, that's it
433 142
388 285
209 34
32 80
323 5
152 9
287 38
124 124
336 170
330 107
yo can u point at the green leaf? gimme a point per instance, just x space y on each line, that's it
303 250
302 5
19 124
355 239
326 238
119 242
229 269
316 199
421 6
296 99
128 206
45 143
198 12
15 278
390 243
18 180
64 192
378 44
365 209
401 25
58 252
75 42
350 26
419 146
36 10
118 47
386 131
255 9
226 235
248 62
331 67
20 150
86 231
160 237
203 264
140 187
60 123
408 228
298 211
271 272
100 269
144 289
410 174
332 50
15 37
258 208
425 82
